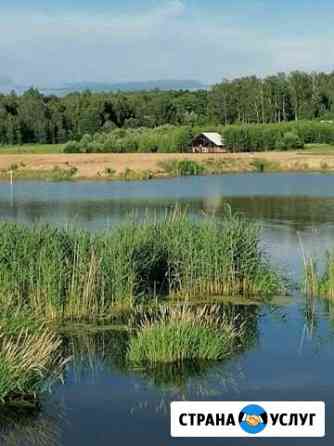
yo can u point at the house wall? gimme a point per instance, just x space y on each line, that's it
206 149
203 145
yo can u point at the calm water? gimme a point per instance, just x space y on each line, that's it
291 356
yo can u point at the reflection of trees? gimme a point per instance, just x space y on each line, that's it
27 427
92 213
299 212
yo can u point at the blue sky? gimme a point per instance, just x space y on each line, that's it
45 42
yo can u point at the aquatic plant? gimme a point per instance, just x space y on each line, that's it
317 283
182 334
27 361
72 274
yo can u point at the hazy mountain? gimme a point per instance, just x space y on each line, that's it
126 86
6 86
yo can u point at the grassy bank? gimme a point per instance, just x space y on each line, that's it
61 273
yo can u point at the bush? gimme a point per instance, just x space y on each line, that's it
72 147
280 144
292 141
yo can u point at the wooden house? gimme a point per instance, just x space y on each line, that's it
208 142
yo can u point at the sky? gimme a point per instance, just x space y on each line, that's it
49 43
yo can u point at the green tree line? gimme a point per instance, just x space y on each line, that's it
36 118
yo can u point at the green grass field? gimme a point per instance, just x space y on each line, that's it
37 149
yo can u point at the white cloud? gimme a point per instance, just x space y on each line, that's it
165 41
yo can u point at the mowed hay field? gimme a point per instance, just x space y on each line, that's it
99 166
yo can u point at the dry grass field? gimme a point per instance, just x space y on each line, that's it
99 166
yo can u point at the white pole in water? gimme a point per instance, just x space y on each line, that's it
11 188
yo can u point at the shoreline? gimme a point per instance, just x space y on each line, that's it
138 166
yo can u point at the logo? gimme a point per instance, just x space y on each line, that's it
253 419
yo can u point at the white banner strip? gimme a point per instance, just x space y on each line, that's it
247 419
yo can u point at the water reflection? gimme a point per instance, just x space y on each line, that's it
298 212
26 427
103 398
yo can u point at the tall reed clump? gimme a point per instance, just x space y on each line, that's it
180 334
27 362
317 283
73 274
53 272
222 257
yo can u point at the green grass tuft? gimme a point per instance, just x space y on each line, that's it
183 334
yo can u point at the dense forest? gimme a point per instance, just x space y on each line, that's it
35 118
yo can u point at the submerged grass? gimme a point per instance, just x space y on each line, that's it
181 334
72 274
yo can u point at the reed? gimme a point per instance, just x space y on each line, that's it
72 274
181 334
27 362
319 283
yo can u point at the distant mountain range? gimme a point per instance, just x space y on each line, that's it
6 87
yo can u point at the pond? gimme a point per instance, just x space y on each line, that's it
291 356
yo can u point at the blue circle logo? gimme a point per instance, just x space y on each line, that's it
253 419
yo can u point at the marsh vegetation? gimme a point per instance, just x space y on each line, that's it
73 274
48 274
